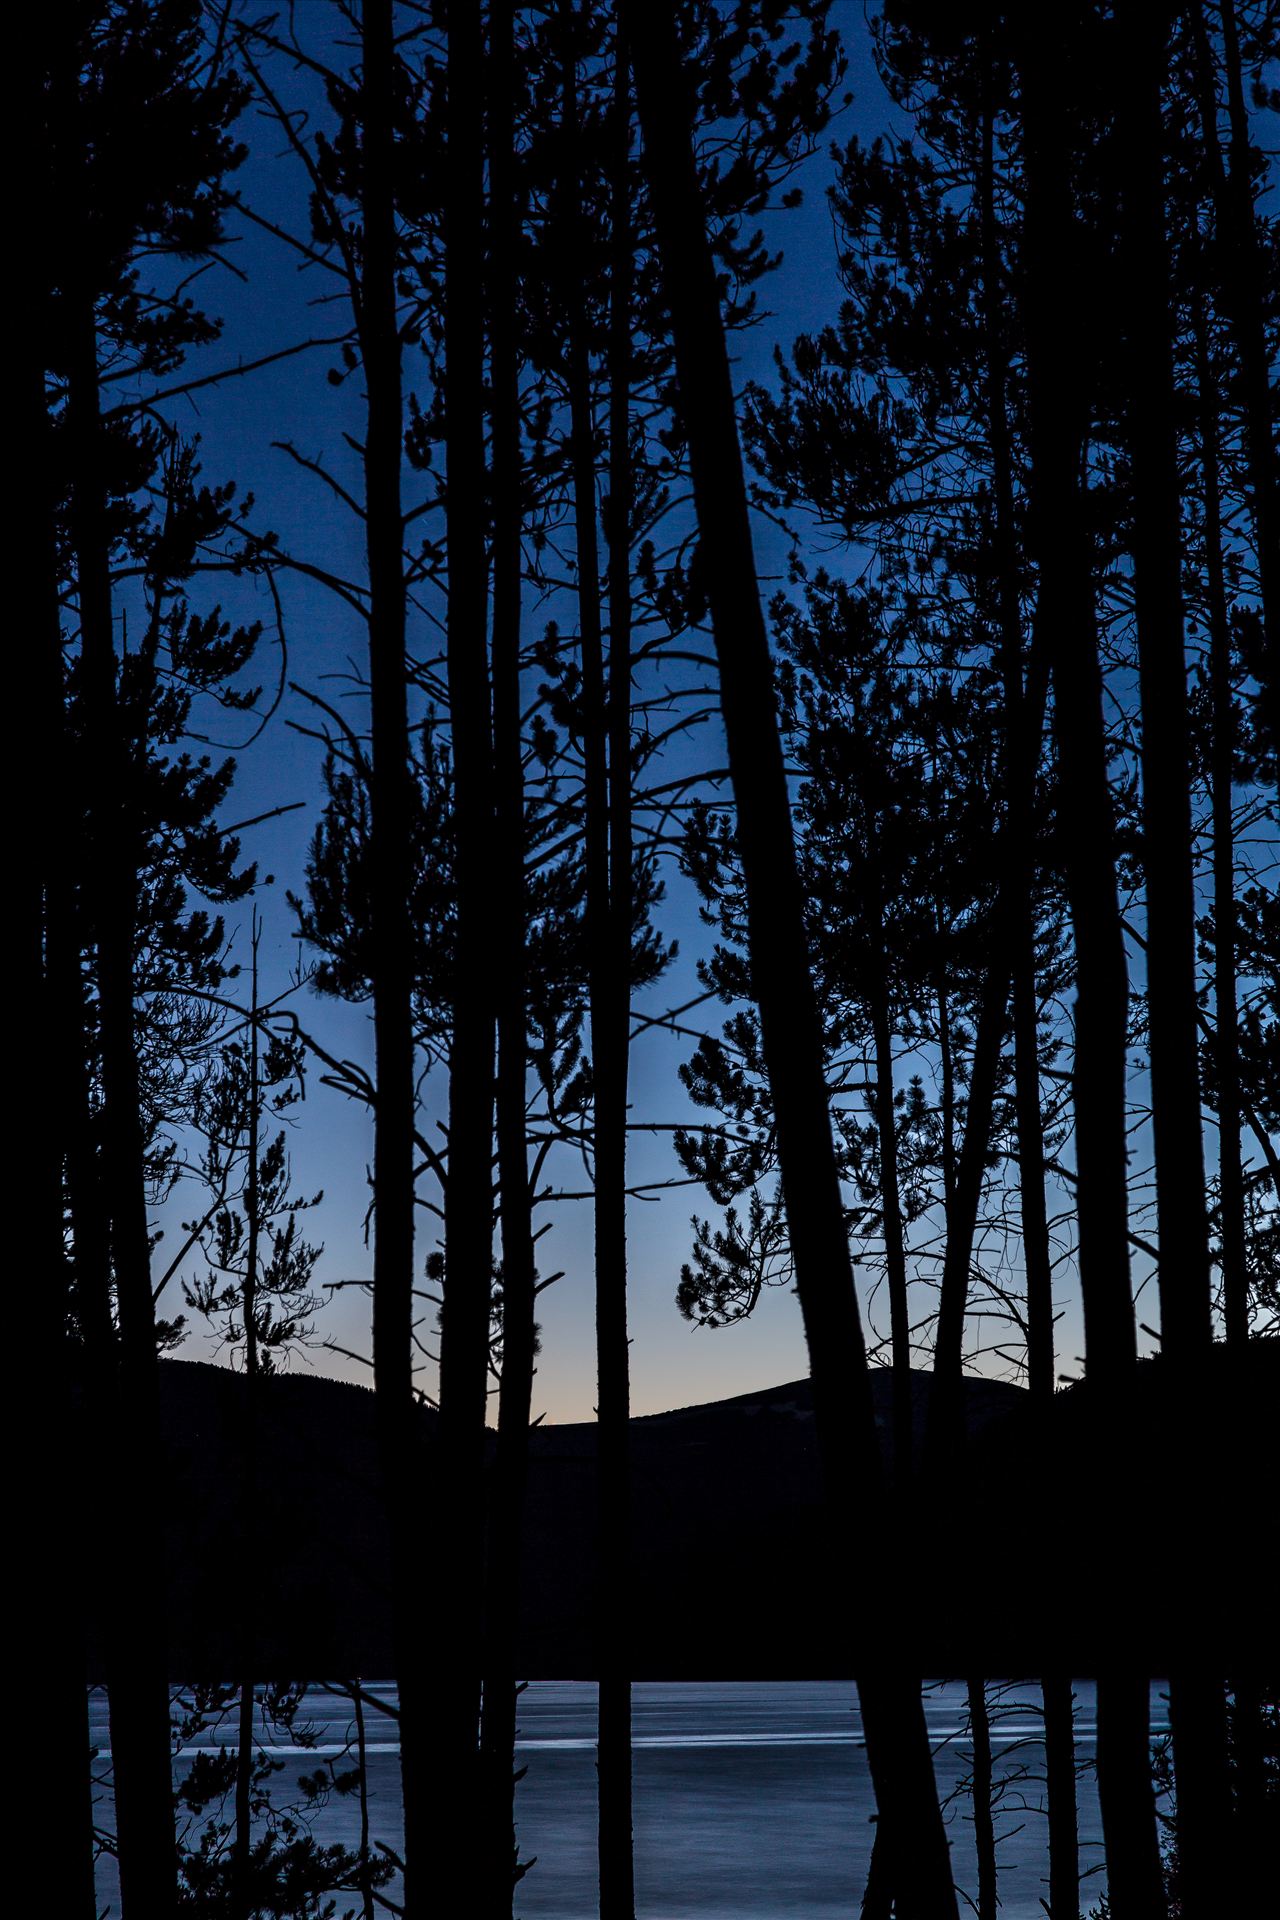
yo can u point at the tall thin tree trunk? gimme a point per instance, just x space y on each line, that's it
1186 1322
1226 1039
468 1207
392 944
610 1046
893 1713
1024 701
498 1865
1197 1701
984 1828
242 1893
138 1678
1066 616
364 1856
607 921
895 1249
1058 1701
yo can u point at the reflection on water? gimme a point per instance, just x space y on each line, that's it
752 1799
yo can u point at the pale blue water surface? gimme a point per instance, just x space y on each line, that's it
752 1799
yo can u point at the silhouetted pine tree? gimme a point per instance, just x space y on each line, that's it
138 146
255 1292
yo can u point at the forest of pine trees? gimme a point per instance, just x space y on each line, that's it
925 680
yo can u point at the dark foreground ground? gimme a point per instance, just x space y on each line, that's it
1058 1544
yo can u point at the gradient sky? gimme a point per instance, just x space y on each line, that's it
672 1363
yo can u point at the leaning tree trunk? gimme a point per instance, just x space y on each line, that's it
498 1867
1054 270
468 1207
791 1036
392 944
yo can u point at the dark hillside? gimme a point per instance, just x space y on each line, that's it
726 1531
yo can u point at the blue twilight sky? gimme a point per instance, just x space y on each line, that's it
331 1139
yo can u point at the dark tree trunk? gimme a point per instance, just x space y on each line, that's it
895 1248
1024 694
877 1895
1226 1040
1206 1844
468 1206
1066 617
392 946
138 1666
610 1039
1060 1792
608 987
1185 1316
1197 1704
946 1404
984 1829
49 1519
1242 275
242 1892
1025 686
1135 1883
1255 1798
498 1865
364 1855
893 1715
1057 341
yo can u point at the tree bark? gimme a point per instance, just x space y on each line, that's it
893 1716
